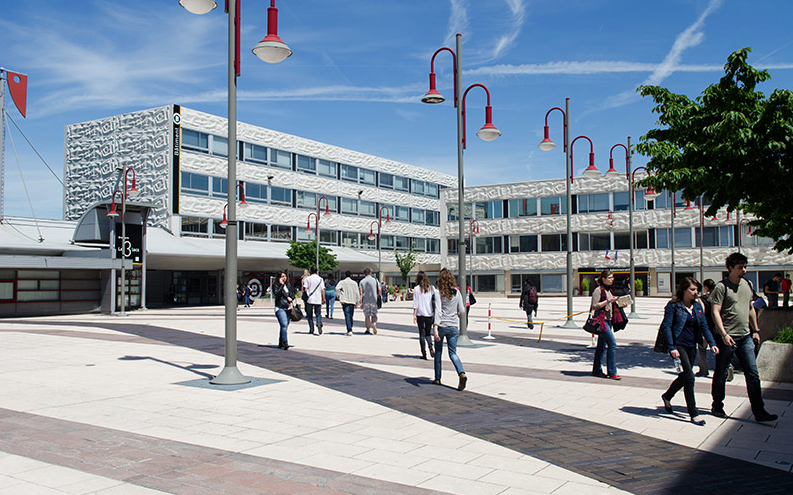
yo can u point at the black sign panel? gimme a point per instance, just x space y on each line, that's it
176 142
133 245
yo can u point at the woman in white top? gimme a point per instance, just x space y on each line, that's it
449 307
423 312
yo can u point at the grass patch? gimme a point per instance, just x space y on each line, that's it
784 336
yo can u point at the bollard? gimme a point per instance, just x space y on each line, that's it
489 315
593 344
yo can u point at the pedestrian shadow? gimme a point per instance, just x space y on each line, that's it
193 368
408 356
630 355
656 412
418 381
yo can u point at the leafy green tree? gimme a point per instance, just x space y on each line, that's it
731 144
406 262
304 255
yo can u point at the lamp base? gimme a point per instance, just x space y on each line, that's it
230 376
570 324
634 314
464 341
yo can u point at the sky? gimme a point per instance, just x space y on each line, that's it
360 67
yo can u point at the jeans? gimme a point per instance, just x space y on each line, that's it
283 320
744 351
451 334
786 299
330 298
348 310
606 339
425 332
311 310
685 379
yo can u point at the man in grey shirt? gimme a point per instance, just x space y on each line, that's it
733 317
369 288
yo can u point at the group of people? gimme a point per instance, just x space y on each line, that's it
772 289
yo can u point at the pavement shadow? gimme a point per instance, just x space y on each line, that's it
193 368
656 411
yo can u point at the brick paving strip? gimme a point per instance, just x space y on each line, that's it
173 467
624 459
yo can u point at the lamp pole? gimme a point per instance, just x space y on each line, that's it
673 195
379 244
546 145
473 229
272 50
124 242
327 212
488 132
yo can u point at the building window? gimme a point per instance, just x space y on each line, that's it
417 215
254 153
401 242
489 209
220 146
38 285
280 233
281 159
368 208
350 173
432 190
524 207
255 193
417 186
195 226
280 196
489 245
523 244
552 283
622 240
220 187
433 245
386 181
553 205
401 183
306 164
593 203
305 199
401 213
255 231
195 141
640 239
433 217
195 183
593 241
386 241
419 244
367 176
350 239
329 237
553 242
326 169
349 206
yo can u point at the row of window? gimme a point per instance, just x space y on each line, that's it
255 231
687 237
217 187
202 142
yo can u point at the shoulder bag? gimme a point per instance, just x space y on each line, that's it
295 313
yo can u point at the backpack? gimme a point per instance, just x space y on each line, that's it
532 295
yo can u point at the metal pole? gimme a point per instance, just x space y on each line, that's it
379 248
701 238
317 239
463 339
740 230
630 230
568 177
3 139
672 237
230 375
123 243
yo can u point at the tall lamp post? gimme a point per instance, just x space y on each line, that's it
488 132
546 145
649 195
673 195
224 223
741 222
473 229
371 237
125 195
316 222
272 50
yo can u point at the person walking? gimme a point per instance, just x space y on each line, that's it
369 288
604 301
449 309
704 299
529 301
470 300
330 296
246 295
284 296
736 323
771 291
684 326
349 296
314 295
785 285
424 312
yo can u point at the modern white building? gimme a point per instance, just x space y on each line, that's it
522 234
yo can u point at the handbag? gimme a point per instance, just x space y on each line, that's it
379 301
661 345
471 298
619 320
295 313
595 325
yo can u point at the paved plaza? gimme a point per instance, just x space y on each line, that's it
122 405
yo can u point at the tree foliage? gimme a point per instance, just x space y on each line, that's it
731 144
304 255
406 262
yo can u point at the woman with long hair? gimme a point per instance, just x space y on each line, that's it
604 301
449 307
284 296
424 312
684 325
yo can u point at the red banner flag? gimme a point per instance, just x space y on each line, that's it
18 87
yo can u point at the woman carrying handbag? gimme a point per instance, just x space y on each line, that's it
284 297
684 325
604 305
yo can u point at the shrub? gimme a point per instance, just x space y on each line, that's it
585 284
784 336
639 284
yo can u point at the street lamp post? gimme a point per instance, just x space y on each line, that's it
488 132
125 195
546 145
473 230
224 223
379 223
741 222
673 195
316 222
272 50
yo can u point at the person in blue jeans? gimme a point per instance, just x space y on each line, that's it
330 296
349 296
605 302
446 325
284 295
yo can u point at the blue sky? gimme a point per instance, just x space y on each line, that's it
360 67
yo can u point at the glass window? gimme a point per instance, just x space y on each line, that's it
639 203
593 241
304 235
386 180
255 193
552 283
220 187
196 183
523 244
326 168
433 217
418 215
280 233
254 153
280 196
194 140
640 239
401 183
710 237
525 207
367 242
433 245
622 240
218 230
664 200
452 213
255 231
401 242
417 186
553 242
553 205
305 199
489 209
195 226
349 206
386 241
726 236
683 238
488 245
220 146
419 244
281 159
591 203
306 164
621 201
367 176
329 237
348 172
368 208
333 204
661 238
401 213
350 239
432 190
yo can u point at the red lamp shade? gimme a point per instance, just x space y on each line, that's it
432 95
546 144
591 171
272 49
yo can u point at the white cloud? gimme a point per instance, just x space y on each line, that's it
458 21
506 41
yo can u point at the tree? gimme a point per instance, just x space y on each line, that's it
406 262
732 145
304 255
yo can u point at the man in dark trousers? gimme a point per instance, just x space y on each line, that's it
529 301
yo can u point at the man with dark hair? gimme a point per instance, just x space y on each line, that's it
314 286
369 288
702 355
349 297
733 317
785 286
771 291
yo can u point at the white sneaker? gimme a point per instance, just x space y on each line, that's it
730 373
349 334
